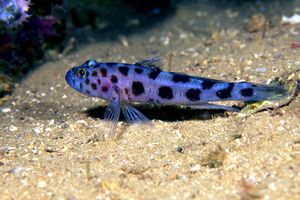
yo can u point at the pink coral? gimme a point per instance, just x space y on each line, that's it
13 12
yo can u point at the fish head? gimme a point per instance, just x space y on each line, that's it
80 78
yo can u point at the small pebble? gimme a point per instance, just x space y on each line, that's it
51 122
42 184
13 128
272 186
37 130
180 150
261 69
81 122
195 168
165 40
6 110
48 129
123 41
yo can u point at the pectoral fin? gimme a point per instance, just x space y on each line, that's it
111 116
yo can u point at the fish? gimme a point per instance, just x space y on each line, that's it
123 84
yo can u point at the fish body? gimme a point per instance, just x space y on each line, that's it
144 82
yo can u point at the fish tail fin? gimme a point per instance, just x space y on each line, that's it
264 92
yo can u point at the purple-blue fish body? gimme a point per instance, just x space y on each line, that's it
144 82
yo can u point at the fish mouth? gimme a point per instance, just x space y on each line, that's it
70 77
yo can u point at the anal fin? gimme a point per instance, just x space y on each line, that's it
214 106
132 115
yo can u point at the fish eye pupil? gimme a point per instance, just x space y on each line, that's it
81 72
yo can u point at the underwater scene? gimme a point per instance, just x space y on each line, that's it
160 99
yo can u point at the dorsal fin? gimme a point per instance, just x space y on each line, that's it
155 62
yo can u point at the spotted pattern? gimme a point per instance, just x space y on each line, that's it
124 70
137 88
88 92
104 89
94 86
207 84
154 73
113 79
138 70
193 94
103 72
247 92
87 81
94 73
165 92
126 91
225 93
80 85
180 78
98 81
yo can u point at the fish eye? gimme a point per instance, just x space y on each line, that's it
81 73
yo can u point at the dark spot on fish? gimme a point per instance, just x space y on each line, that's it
88 92
137 88
247 92
94 86
193 94
225 93
138 70
126 91
87 81
80 85
113 79
73 81
165 92
103 72
207 84
94 73
124 70
104 89
154 73
180 78
98 81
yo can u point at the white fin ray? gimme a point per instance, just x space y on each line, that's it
111 116
133 116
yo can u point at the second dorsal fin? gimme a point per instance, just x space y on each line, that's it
155 62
